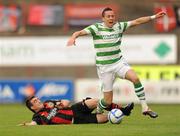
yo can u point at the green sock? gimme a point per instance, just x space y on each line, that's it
101 106
139 90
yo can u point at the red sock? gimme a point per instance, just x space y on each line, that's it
113 106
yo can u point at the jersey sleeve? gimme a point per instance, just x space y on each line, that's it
125 25
92 29
40 120
37 120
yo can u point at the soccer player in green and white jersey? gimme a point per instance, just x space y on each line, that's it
109 60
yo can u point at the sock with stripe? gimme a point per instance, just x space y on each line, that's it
101 106
139 90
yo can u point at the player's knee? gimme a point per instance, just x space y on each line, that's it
135 80
91 103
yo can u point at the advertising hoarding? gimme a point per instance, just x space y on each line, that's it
52 51
18 90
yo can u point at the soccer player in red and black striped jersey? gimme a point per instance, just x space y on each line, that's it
60 112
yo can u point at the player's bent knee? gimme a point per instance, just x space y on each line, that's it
91 103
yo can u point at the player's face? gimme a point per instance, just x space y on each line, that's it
109 18
36 104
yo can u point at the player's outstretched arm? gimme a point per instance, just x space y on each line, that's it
146 19
32 123
75 35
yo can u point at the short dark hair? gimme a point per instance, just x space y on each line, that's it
29 104
106 9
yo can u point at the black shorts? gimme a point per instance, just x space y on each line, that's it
82 114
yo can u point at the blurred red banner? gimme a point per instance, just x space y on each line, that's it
87 10
85 14
46 15
9 18
167 22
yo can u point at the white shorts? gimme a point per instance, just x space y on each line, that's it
108 73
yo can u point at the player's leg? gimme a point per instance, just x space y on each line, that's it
124 71
107 79
82 112
94 118
125 109
87 105
91 103
105 102
101 118
139 90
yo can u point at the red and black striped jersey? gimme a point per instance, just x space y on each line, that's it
50 114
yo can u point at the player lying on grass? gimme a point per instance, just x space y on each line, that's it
60 112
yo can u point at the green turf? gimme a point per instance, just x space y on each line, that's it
168 124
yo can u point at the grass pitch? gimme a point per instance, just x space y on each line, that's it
167 124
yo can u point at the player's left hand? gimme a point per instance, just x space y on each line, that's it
160 14
71 42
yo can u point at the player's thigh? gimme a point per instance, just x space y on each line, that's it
122 69
107 79
91 103
81 107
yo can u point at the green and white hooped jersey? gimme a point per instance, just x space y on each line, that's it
107 41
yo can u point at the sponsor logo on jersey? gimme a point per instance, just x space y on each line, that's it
52 113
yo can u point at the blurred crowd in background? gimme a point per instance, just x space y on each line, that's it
57 16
